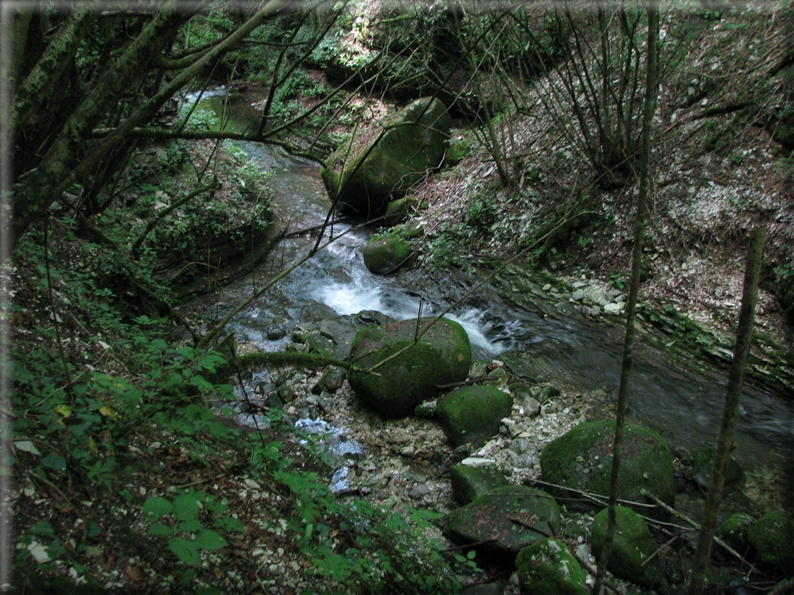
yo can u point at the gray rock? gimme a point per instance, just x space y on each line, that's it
704 462
531 406
546 393
426 409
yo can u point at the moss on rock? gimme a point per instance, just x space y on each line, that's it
704 462
473 413
632 545
772 538
547 566
734 530
487 520
364 178
441 356
385 256
399 210
469 483
582 459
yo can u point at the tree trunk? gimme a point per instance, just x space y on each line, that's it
31 94
744 335
649 110
55 173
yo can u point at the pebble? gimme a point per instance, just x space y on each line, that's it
477 462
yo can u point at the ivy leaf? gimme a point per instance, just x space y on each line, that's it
42 528
27 446
190 525
207 539
230 524
217 429
54 462
159 529
186 507
156 508
185 550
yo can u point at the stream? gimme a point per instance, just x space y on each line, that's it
683 405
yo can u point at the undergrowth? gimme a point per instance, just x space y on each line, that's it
98 385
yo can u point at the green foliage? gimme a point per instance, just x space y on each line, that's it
180 520
480 216
617 281
74 421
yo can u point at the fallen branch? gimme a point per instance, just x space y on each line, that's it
659 549
465 545
786 587
696 526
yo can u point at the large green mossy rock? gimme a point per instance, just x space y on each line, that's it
487 520
385 256
364 177
582 459
734 529
772 538
547 567
441 356
399 210
632 545
469 483
472 414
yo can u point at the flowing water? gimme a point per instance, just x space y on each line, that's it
683 405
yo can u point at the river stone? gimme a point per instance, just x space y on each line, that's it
524 365
363 178
772 538
632 545
472 414
582 459
734 530
469 483
331 380
441 356
399 210
546 567
704 462
487 518
385 256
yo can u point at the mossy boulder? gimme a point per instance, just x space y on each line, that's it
399 210
704 462
734 530
472 414
364 177
632 545
582 459
469 483
546 567
459 149
772 539
384 256
441 356
487 520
